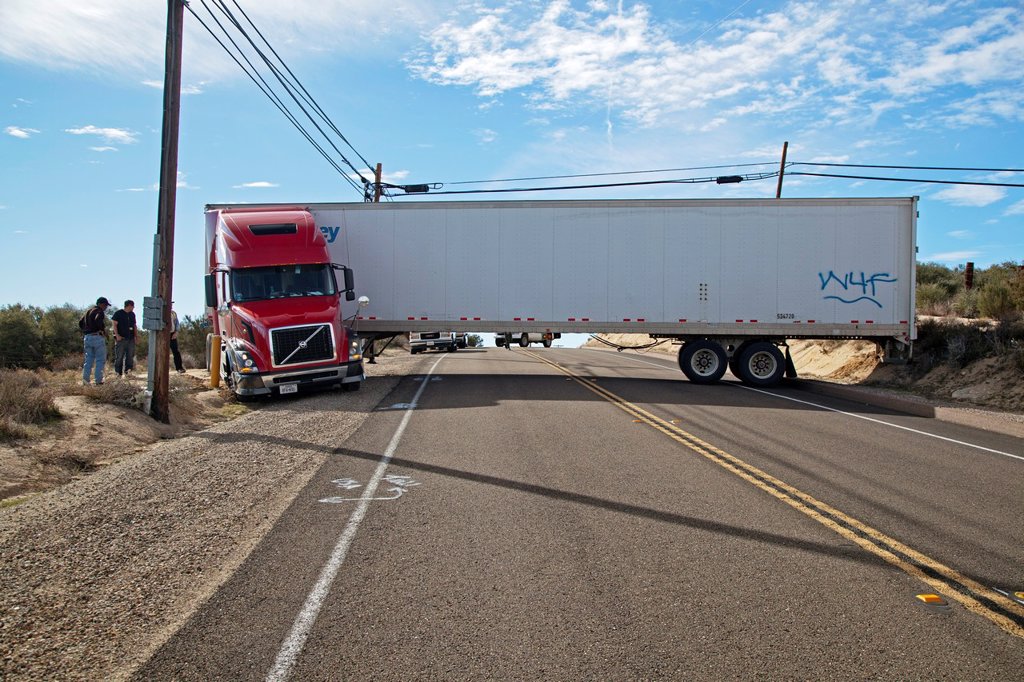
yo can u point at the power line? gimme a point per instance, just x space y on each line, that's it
931 168
611 173
222 6
914 180
728 179
265 88
308 97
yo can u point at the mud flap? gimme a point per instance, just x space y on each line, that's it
790 367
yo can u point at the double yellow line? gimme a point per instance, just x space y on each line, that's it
984 601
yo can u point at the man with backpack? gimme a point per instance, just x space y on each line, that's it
94 326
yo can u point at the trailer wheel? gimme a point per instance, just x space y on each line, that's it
547 343
499 341
703 362
761 364
524 341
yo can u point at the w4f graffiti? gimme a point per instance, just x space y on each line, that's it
865 285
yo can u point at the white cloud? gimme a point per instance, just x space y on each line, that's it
112 135
259 184
104 149
822 63
20 133
951 256
960 234
196 89
1015 209
126 37
485 135
971 195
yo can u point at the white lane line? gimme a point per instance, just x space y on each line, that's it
848 414
296 639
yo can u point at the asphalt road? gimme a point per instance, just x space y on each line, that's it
578 514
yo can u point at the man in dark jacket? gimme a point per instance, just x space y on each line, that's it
95 342
124 338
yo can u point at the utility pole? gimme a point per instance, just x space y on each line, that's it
163 248
376 184
782 169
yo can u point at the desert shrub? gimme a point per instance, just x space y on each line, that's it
965 344
21 344
25 398
996 301
965 303
932 299
58 329
115 392
71 361
192 333
942 278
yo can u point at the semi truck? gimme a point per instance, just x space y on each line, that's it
730 280
274 301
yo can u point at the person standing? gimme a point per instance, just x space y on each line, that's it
174 342
124 338
94 326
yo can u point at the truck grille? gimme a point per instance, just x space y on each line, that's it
296 345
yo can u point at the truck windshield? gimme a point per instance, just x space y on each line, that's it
282 281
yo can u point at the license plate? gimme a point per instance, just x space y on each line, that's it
289 388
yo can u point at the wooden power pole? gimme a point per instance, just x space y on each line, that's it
782 169
376 184
163 256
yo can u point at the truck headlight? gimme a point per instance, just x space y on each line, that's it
355 349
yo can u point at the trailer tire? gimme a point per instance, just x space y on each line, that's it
547 343
761 364
703 361
499 341
524 341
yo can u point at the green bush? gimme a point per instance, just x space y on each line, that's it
21 343
932 299
996 300
944 279
965 303
58 328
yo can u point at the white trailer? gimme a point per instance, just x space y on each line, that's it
732 279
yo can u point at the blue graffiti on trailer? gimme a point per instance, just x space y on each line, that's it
849 280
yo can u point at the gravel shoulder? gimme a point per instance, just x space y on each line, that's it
98 573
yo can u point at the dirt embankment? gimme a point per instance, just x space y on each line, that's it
93 434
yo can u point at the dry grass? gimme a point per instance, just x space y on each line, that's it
26 399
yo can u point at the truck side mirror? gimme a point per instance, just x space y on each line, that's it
350 295
349 283
211 291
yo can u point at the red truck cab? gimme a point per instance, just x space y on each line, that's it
274 300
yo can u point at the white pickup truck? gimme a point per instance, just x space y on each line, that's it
524 339
421 341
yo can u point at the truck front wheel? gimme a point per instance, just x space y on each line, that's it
703 361
524 341
761 364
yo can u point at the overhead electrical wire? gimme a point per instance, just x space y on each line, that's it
307 96
265 88
612 173
928 168
293 87
289 88
913 180
678 181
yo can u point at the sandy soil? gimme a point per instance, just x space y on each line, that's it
94 434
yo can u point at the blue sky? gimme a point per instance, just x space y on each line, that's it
442 91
